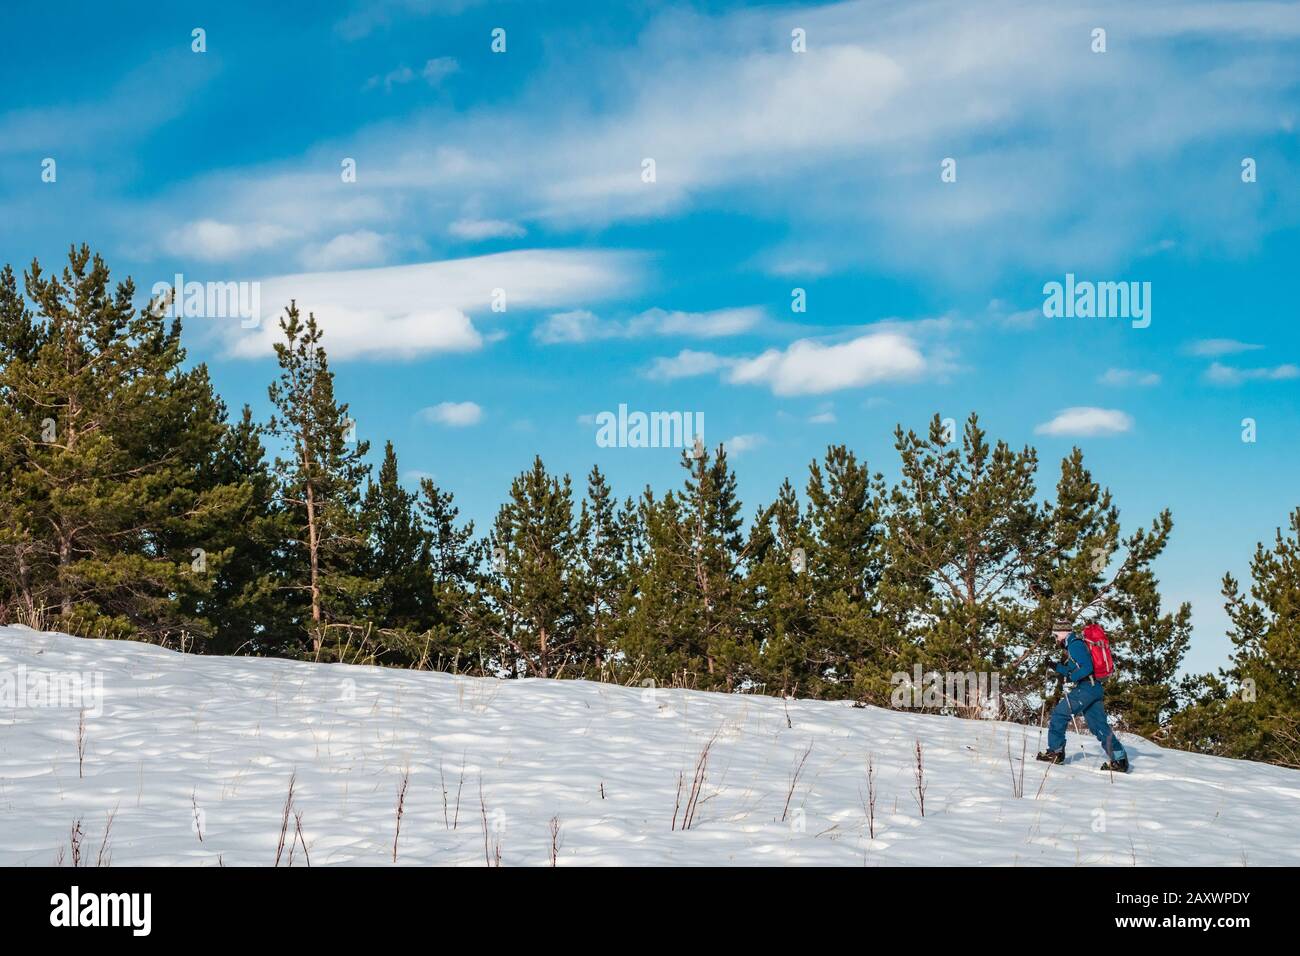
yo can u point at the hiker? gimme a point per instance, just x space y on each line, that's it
1088 666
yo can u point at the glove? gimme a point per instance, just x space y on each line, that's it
1062 669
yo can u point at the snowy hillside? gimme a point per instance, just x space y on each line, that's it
193 756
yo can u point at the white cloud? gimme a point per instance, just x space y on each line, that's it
1124 377
1220 374
478 229
433 72
1213 348
210 240
578 325
584 326
1086 421
704 325
686 364
735 121
808 367
739 444
438 69
453 414
408 311
350 250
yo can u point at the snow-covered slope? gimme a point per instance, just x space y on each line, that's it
189 747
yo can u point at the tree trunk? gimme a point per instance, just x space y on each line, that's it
65 559
313 550
545 668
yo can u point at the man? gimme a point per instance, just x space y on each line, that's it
1083 697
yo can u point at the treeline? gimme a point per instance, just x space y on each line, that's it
136 506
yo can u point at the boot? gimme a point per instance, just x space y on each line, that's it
1052 756
1116 766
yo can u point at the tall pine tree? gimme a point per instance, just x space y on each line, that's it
319 473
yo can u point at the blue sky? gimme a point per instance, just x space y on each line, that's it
774 171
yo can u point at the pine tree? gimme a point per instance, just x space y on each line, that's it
963 529
689 622
1077 577
663 642
319 479
786 656
455 631
1251 709
397 561
533 607
22 573
247 605
109 443
603 537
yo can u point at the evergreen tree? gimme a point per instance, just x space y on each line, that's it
454 558
846 513
963 529
787 655
1077 577
109 444
319 479
603 537
689 624
397 562
247 603
533 607
1251 709
24 575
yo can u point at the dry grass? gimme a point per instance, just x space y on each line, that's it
401 804
74 853
284 819
794 781
869 804
81 744
491 853
555 840
697 787
1017 780
920 778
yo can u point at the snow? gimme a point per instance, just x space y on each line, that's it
178 747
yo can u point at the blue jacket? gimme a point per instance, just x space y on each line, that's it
1080 666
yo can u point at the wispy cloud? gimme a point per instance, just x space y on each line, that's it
433 73
810 367
726 110
1125 377
687 363
584 326
1084 421
1213 348
739 444
351 250
453 414
477 230
414 310
210 240
1220 374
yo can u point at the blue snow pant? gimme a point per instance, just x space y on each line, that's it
1084 698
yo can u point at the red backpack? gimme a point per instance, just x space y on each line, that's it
1103 665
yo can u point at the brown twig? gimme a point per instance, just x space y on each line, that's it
794 780
920 778
284 819
401 803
